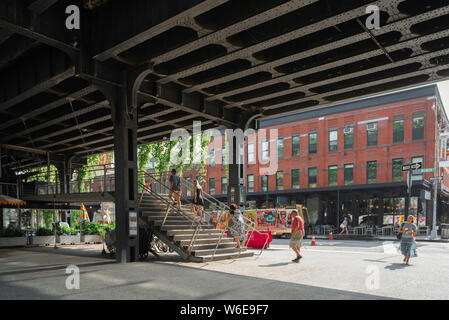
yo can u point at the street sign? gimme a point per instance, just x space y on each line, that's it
444 164
133 223
412 166
428 170
436 178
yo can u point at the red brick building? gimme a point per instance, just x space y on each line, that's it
350 154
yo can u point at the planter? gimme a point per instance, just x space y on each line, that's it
95 238
43 240
13 241
68 239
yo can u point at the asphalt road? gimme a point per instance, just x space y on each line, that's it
329 270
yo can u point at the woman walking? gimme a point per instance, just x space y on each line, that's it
408 245
344 226
236 225
297 235
198 201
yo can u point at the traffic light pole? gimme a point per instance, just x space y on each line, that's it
409 194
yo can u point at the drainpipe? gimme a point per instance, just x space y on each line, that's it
434 233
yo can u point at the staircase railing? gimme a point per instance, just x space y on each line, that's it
170 206
222 210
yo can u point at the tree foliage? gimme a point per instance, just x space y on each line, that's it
162 153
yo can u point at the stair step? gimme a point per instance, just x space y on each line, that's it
186 237
211 246
225 256
169 218
206 252
183 226
161 214
172 222
187 232
202 240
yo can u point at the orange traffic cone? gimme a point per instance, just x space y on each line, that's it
313 240
330 236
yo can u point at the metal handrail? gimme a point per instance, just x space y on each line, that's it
247 223
171 206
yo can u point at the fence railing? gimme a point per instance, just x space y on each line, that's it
218 207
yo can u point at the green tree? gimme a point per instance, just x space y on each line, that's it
163 151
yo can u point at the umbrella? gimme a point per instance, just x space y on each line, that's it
11 201
84 216
102 218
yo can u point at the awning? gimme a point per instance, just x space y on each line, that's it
11 201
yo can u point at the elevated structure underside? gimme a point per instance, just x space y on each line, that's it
218 61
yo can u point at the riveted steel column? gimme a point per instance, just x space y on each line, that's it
125 158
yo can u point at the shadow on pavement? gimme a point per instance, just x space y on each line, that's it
157 280
70 251
275 264
396 266
53 267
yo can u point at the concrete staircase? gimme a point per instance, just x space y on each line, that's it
178 229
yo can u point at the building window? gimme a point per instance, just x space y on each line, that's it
189 187
280 180
312 177
349 137
349 174
397 170
398 131
212 185
333 140
418 128
313 142
371 171
280 145
295 146
264 183
265 151
332 176
224 185
223 156
295 179
212 158
416 174
371 133
250 183
251 158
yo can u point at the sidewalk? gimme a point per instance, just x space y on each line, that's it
40 273
383 238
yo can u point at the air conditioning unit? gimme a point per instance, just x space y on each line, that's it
371 126
348 130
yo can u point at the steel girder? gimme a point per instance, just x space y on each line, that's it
246 53
184 18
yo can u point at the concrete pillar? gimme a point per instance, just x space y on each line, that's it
126 192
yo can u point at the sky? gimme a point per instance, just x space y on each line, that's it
443 87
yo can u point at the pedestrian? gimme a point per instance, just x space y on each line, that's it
175 188
236 225
197 205
344 226
297 235
407 243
